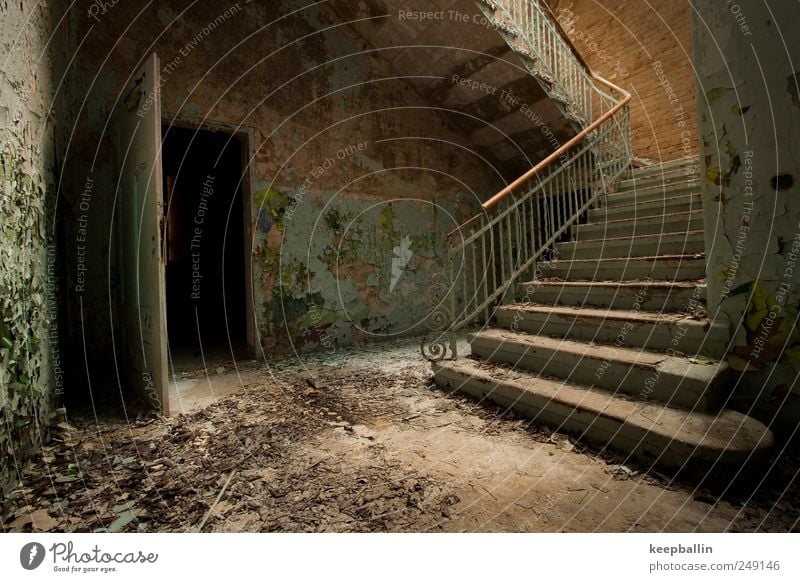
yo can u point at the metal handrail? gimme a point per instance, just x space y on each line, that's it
563 33
490 252
572 143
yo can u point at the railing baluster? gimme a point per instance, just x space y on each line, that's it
465 290
485 278
526 227
550 212
475 266
501 243
510 250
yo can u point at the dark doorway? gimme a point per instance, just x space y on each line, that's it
203 245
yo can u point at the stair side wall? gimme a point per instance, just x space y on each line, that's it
749 108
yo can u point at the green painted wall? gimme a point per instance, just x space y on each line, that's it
30 362
354 178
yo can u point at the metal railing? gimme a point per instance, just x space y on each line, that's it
520 225
539 31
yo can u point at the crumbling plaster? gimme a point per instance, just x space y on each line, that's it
747 58
354 177
30 361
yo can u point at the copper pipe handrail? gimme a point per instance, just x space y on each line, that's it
488 253
545 163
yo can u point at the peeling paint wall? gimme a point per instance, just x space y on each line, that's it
29 360
646 48
354 177
748 57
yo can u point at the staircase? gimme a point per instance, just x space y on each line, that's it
611 341
587 277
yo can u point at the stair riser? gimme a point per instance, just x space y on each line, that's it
639 382
669 270
687 337
640 195
616 298
647 248
647 209
634 442
639 227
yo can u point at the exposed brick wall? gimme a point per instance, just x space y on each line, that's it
624 40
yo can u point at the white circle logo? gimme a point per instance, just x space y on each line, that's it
31 555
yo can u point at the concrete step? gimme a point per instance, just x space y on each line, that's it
689 164
669 332
660 268
660 179
652 193
649 295
675 204
678 243
642 375
643 225
644 431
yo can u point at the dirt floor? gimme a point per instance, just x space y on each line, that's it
361 442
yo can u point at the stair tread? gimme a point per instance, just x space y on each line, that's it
631 356
679 172
631 283
669 165
670 199
666 187
692 257
689 214
636 315
635 237
728 430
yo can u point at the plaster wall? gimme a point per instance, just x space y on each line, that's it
30 361
748 60
354 177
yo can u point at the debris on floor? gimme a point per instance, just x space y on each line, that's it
365 445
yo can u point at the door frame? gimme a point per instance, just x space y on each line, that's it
246 136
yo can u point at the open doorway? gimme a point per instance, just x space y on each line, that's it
204 246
